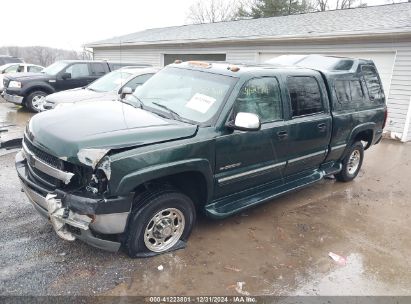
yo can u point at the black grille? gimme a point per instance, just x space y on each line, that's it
50 179
34 177
44 156
5 83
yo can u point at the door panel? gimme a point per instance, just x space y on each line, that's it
249 159
310 124
245 160
308 141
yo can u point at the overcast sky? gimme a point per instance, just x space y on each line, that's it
70 24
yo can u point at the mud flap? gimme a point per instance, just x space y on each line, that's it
148 254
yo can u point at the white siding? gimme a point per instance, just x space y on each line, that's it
398 88
128 55
400 92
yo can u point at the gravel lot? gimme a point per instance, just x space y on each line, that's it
280 248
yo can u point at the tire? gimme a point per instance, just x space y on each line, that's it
33 101
352 163
159 220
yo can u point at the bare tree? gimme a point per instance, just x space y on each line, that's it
44 55
209 11
324 5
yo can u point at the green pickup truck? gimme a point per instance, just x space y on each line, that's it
197 137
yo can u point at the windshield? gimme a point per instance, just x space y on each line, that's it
110 81
193 95
55 68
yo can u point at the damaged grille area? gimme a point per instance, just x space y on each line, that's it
44 156
37 175
43 177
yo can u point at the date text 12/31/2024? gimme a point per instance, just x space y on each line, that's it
202 299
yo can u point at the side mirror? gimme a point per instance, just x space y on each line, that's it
125 91
66 76
246 122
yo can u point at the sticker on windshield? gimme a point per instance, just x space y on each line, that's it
200 103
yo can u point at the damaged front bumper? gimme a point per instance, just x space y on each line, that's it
92 220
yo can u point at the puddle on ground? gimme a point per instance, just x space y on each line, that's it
352 279
14 115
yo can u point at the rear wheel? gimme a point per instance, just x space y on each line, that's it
352 163
35 101
159 221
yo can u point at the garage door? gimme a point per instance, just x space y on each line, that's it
170 58
383 60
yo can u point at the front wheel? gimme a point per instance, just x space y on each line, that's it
158 222
352 163
35 101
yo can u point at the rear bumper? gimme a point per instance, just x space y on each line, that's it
377 136
109 215
16 99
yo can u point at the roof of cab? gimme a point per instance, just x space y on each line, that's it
282 64
234 69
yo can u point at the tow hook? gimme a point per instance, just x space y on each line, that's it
60 217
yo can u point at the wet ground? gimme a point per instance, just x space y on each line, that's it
280 248
13 119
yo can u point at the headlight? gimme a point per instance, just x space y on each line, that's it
15 84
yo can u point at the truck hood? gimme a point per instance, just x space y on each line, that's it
63 132
26 76
79 94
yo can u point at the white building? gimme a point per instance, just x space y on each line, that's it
381 33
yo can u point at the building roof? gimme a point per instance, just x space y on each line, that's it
384 19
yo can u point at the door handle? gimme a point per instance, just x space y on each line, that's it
322 127
282 134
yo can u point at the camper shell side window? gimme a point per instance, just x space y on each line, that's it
373 84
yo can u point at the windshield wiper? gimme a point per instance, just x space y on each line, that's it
127 102
123 100
172 112
141 103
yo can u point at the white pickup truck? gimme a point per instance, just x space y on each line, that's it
17 68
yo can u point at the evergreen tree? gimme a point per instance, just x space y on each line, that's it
271 8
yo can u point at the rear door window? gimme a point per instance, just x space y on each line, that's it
348 91
98 69
305 95
342 90
373 83
356 90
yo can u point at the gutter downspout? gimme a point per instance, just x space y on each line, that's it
407 123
